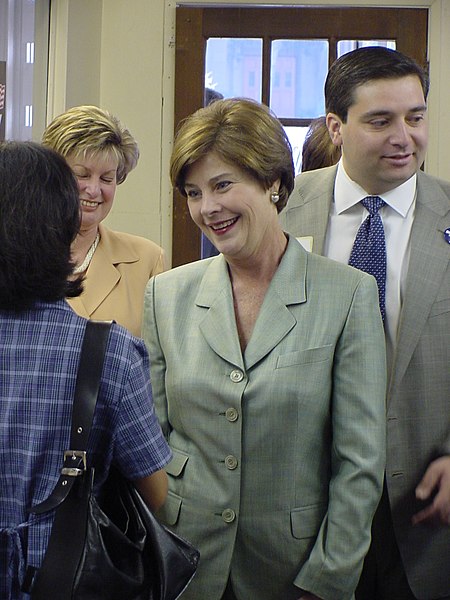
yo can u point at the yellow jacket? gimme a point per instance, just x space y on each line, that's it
116 278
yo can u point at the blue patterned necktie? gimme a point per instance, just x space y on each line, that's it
369 249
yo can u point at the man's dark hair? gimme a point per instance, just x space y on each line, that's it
39 219
361 66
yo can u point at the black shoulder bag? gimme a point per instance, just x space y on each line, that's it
108 548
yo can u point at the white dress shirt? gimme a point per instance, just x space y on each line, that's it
346 215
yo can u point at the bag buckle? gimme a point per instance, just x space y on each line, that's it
74 463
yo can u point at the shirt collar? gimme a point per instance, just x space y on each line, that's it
347 193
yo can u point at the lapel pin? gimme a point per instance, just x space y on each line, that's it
447 235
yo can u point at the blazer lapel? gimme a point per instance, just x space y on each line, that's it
100 280
103 275
311 199
219 324
275 319
427 265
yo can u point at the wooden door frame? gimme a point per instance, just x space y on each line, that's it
194 25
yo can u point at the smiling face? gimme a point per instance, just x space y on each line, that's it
230 207
96 177
385 137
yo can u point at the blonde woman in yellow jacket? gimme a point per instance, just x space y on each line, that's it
116 266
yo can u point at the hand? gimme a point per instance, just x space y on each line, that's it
308 596
436 479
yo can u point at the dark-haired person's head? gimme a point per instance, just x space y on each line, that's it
318 150
377 116
39 218
364 65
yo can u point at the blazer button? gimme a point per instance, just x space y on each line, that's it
236 375
232 414
228 515
231 462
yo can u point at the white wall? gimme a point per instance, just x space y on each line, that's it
121 53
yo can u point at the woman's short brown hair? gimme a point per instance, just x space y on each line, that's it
242 132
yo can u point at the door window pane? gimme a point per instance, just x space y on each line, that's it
345 46
297 76
296 136
234 67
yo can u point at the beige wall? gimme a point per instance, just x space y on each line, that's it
110 53
120 54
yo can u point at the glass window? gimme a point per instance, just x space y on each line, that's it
234 67
296 136
345 46
297 73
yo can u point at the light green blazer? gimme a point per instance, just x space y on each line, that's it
278 453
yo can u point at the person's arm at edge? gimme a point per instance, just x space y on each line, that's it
157 360
435 481
360 457
153 489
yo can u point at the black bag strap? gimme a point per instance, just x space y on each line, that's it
56 576
85 399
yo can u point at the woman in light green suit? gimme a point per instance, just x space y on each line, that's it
268 374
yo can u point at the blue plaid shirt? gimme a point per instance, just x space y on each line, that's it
39 355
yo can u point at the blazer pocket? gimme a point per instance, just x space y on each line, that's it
304 357
440 307
306 521
170 511
177 464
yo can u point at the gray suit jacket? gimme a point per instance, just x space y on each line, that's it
278 453
418 401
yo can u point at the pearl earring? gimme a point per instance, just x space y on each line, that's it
275 196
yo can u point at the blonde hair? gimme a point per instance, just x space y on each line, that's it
242 132
89 130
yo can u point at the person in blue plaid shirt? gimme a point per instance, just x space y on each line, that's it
40 344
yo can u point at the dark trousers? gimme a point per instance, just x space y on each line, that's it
229 593
383 576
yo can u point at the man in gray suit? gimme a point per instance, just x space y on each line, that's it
376 112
